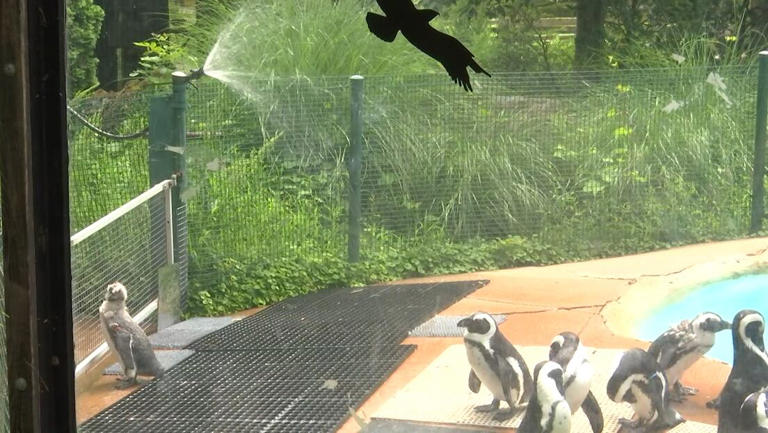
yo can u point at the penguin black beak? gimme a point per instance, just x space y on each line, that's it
464 323
724 325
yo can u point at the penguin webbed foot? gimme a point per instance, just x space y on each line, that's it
504 415
125 382
494 406
631 426
683 390
714 403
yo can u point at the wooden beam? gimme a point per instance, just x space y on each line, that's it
35 211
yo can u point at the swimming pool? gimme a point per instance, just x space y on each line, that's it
725 298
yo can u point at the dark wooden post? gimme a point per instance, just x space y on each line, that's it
35 210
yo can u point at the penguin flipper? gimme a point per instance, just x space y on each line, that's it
593 412
123 342
474 381
381 26
531 419
509 380
668 417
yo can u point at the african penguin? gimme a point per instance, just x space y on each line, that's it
547 411
125 338
754 411
639 380
749 373
679 347
495 362
566 350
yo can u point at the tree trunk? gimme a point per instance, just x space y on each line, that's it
590 32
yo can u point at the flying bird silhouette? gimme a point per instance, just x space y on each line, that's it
402 15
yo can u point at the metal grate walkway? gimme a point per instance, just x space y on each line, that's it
298 366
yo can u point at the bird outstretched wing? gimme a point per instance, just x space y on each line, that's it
381 26
450 52
402 15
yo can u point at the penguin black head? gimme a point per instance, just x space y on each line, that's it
479 325
116 292
563 346
747 331
710 322
549 371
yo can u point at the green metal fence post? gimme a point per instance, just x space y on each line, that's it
167 142
758 174
355 165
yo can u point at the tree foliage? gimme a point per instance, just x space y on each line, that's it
83 26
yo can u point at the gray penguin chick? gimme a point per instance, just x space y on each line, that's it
125 338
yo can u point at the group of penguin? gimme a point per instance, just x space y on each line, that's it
648 380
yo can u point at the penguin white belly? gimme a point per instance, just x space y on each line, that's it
486 374
555 411
578 388
643 405
561 422
675 372
761 409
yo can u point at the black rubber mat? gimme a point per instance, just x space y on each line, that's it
373 315
298 366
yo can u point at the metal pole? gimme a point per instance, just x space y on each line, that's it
758 174
169 238
355 165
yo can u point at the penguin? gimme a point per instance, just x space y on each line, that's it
567 351
749 373
547 411
126 339
679 347
639 380
495 362
754 411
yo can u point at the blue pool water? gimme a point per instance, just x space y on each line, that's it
725 298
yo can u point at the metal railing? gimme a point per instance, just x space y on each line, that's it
130 245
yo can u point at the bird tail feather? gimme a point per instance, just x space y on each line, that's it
381 26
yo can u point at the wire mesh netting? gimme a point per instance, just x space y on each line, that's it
587 164
266 173
105 172
582 160
131 249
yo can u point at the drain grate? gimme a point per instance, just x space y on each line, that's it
298 366
445 326
374 315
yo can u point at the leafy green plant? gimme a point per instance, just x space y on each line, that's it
83 27
164 53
